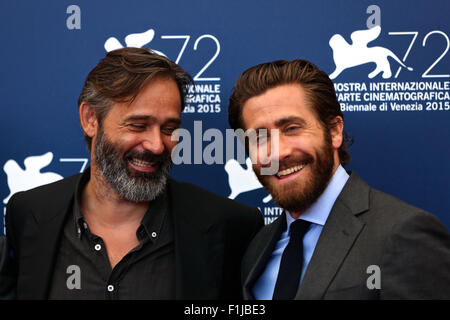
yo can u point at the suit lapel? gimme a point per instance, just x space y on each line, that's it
41 236
198 247
264 247
338 236
340 232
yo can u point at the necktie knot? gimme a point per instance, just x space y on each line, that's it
298 228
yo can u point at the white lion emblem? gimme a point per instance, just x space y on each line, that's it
242 180
135 40
347 55
31 177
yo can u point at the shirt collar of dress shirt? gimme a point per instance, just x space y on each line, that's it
319 211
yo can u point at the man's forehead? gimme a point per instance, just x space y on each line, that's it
125 112
279 122
278 116
278 103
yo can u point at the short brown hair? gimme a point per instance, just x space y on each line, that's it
120 76
317 85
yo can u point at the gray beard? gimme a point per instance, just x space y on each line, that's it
135 187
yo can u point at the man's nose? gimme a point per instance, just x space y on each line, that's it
283 150
276 150
273 153
153 141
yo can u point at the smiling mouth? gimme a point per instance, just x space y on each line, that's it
289 171
143 164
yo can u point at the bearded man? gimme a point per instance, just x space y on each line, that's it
124 229
337 238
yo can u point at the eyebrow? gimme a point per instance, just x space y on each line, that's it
283 121
138 117
150 118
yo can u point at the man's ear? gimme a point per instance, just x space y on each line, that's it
88 119
337 132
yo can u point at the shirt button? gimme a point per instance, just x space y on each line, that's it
98 247
110 288
85 225
154 234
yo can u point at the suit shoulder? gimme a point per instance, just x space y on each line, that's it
389 215
393 208
375 205
41 195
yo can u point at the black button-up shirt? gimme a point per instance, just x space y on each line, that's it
83 270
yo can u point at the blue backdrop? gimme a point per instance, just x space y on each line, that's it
399 121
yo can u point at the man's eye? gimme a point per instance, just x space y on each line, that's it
137 126
169 130
291 129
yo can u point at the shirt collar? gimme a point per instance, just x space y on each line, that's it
154 218
151 223
80 224
319 211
